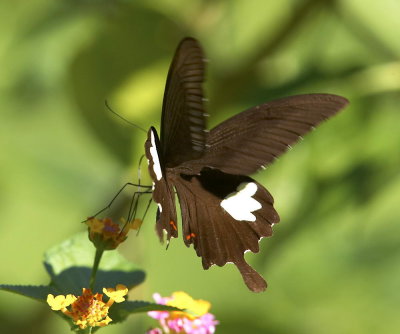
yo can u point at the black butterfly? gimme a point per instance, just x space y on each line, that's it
224 212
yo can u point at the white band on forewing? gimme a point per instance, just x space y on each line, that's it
156 160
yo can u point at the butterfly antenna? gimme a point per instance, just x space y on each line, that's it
123 118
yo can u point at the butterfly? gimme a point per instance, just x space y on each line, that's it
224 212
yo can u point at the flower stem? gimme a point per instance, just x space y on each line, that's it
97 258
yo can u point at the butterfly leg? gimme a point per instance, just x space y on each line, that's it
133 208
115 197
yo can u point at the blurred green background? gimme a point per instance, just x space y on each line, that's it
333 262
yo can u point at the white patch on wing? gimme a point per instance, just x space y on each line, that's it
159 207
156 160
241 204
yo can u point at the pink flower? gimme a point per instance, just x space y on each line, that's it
194 320
154 331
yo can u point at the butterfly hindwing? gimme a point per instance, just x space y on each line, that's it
224 216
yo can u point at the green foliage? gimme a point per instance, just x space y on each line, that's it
69 266
39 292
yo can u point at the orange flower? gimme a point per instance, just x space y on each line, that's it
88 310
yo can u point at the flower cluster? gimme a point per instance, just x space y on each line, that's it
107 235
88 310
194 320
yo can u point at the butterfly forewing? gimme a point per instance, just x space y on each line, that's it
183 125
256 137
163 193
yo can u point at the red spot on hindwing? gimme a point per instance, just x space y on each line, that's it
172 223
190 236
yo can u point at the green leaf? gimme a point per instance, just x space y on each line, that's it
119 312
38 292
69 266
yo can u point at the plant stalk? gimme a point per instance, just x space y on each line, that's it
97 258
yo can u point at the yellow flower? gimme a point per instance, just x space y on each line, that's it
60 302
96 225
135 224
107 235
193 307
88 310
116 295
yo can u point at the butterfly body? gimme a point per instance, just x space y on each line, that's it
225 212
